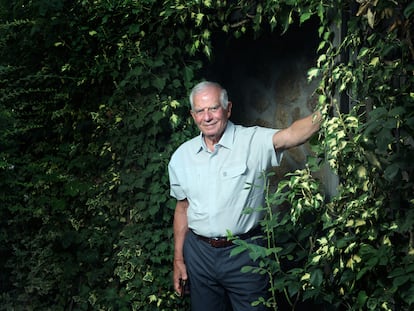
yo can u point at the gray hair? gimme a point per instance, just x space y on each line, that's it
224 101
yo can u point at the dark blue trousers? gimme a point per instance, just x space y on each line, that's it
216 280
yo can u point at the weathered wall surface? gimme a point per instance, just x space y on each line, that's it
278 98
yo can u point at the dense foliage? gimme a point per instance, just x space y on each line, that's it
355 250
92 104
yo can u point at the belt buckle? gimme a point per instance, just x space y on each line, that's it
219 242
214 242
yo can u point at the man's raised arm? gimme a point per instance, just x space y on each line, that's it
297 133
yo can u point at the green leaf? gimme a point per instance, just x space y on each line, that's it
316 277
400 280
391 171
409 10
305 16
362 298
159 83
237 250
247 269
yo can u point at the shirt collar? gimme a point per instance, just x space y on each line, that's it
226 140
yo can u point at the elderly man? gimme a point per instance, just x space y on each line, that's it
210 177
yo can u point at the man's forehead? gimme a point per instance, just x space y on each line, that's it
209 99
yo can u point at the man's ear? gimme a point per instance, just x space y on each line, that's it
229 106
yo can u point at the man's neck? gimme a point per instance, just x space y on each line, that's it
211 141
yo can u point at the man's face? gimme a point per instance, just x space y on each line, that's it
210 117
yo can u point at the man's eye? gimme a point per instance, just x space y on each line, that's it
209 109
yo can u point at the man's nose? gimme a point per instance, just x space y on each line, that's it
208 115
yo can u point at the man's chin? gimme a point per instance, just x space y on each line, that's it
209 132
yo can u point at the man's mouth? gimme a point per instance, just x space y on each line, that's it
209 124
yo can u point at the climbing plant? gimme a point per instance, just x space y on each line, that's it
93 103
354 250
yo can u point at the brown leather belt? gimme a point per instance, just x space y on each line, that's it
220 242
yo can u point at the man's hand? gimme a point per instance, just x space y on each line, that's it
180 273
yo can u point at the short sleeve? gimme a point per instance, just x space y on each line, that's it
176 190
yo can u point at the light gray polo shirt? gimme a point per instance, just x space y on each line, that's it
219 185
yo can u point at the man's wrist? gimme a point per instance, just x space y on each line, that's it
316 117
